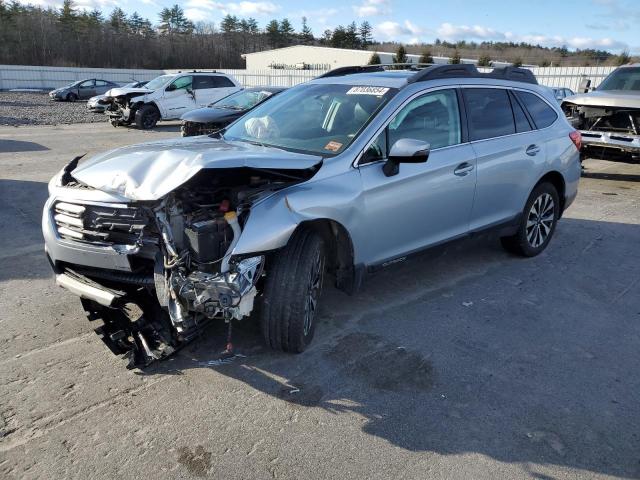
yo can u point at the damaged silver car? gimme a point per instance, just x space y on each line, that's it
343 175
609 117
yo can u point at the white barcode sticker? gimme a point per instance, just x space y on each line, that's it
377 91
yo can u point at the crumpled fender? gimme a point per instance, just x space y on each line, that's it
272 221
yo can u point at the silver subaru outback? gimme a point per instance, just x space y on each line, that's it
348 173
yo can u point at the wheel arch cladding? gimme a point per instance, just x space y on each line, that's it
556 179
338 250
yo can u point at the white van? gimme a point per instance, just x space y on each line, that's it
167 97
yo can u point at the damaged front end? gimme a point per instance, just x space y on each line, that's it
122 108
606 131
155 271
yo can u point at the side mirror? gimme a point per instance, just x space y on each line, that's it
171 88
405 150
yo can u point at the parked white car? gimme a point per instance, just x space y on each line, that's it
167 97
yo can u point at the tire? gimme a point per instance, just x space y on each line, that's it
147 116
535 230
186 130
72 97
291 293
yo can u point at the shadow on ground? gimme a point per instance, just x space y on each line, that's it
13 146
474 351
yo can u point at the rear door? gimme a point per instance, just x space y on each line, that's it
102 87
509 152
425 203
211 88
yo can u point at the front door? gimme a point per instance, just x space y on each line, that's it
425 203
178 98
87 89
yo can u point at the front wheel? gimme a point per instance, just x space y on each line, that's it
147 116
72 97
538 222
291 293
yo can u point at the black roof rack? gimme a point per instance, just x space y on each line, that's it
340 71
467 70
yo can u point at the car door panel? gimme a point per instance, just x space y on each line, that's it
423 205
176 102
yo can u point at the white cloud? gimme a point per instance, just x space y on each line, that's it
448 31
396 31
198 10
372 8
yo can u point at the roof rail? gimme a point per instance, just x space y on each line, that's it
467 70
381 67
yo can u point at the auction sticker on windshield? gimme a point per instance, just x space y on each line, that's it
376 91
333 146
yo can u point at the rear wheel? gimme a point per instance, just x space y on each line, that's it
538 222
147 116
292 290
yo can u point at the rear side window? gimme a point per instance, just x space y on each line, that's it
213 81
489 113
522 123
541 113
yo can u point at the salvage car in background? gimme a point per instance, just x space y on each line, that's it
562 93
99 103
349 173
609 116
204 121
82 90
167 97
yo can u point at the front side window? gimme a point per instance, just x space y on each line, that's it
489 113
87 84
541 113
101 83
433 118
182 83
316 118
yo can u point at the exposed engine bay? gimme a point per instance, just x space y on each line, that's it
121 110
182 271
608 129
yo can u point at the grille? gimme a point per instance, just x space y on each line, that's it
102 224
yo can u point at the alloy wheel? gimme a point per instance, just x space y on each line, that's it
540 220
314 287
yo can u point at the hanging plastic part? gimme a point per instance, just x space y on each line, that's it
232 220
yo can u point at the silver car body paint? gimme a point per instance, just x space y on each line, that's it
386 217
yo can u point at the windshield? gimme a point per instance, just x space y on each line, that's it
243 100
622 79
316 118
158 82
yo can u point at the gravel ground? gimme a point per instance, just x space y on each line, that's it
467 364
30 108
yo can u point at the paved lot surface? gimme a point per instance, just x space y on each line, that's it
32 108
468 364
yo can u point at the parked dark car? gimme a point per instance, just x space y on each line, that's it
204 121
82 89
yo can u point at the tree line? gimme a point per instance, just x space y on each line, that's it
69 36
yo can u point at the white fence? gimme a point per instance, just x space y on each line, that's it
16 76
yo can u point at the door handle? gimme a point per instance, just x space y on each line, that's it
533 150
463 169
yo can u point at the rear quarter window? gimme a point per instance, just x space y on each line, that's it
541 113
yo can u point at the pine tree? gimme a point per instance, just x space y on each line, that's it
375 59
173 20
286 31
230 24
426 56
484 61
273 33
306 36
118 20
401 55
352 38
366 37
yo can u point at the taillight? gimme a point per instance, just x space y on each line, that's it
576 138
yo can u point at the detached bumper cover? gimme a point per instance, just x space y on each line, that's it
619 141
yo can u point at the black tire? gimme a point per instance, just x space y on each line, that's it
186 130
291 293
72 97
535 229
147 116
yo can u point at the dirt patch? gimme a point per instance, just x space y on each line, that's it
30 108
197 461
375 361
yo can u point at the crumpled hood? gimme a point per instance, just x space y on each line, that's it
606 98
151 170
211 115
116 92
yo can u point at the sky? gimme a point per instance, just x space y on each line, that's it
612 25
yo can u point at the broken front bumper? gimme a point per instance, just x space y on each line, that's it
613 140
